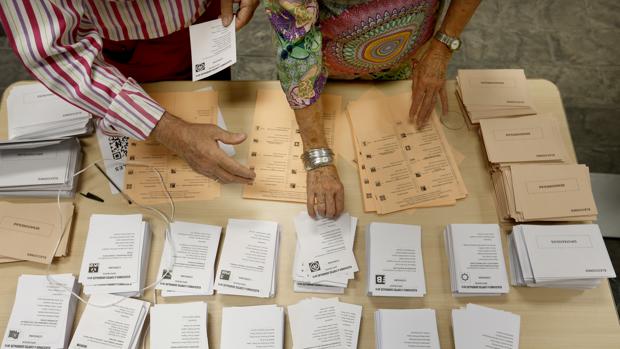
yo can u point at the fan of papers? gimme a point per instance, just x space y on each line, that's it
475 326
562 256
179 326
406 328
116 255
395 266
476 259
493 93
252 327
324 260
324 323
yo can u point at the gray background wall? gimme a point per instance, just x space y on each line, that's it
574 43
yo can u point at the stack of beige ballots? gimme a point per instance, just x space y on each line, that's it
402 167
493 93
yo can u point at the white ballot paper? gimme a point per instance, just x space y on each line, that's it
214 48
179 326
43 312
476 326
195 247
325 324
476 258
113 148
406 329
394 260
116 255
249 259
110 321
260 326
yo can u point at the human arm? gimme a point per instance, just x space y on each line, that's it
243 15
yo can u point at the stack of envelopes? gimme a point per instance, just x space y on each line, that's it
493 93
400 166
562 256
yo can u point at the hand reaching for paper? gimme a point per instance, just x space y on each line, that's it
197 144
244 13
325 192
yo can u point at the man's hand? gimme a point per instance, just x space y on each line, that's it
325 192
429 78
244 14
197 144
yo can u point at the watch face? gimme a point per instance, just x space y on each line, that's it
455 44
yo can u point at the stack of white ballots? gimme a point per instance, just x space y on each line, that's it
476 260
475 326
558 256
181 325
406 328
116 255
41 171
35 113
324 323
324 261
110 321
252 327
195 251
43 312
249 260
394 260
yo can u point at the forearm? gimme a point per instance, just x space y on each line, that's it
458 15
310 125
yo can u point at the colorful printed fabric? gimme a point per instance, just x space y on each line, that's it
348 39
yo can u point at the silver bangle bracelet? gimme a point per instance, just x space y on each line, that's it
318 157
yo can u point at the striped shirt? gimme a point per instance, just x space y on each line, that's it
60 43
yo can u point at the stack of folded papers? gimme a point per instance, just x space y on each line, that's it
543 192
476 259
493 93
110 321
40 171
527 139
43 312
475 326
260 326
324 323
406 328
324 260
35 113
249 260
179 326
195 249
116 255
561 256
394 260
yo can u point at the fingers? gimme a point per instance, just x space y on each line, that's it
321 204
230 165
443 95
226 177
310 203
245 13
330 208
430 98
417 96
229 137
339 202
227 12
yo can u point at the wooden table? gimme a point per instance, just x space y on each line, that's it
550 318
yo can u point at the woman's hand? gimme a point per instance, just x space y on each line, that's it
325 192
244 13
428 82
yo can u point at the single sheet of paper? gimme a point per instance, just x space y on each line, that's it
252 327
214 47
114 148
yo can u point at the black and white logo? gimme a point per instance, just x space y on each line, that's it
225 275
166 274
315 266
13 334
464 276
380 279
200 67
93 267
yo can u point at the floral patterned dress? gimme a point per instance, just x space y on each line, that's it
346 39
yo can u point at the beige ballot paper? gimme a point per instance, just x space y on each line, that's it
496 87
32 231
184 184
276 147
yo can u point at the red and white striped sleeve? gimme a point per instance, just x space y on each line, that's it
62 49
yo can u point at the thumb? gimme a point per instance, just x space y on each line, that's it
229 137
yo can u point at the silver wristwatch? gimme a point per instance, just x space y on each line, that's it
453 43
315 158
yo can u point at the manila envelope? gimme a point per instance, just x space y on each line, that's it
493 87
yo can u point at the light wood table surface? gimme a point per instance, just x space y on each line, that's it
550 318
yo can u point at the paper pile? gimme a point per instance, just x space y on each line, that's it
249 261
324 260
35 113
534 192
116 255
400 166
475 326
40 171
406 328
43 312
195 250
110 321
476 259
179 326
260 326
563 256
493 93
324 323
394 260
